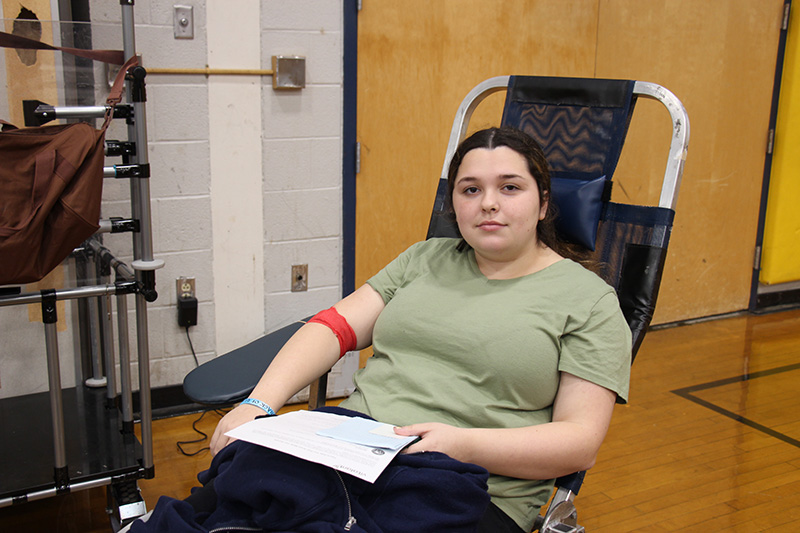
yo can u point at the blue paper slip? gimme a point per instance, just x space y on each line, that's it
367 433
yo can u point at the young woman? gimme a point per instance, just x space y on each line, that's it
494 349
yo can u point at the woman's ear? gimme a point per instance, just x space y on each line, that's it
544 204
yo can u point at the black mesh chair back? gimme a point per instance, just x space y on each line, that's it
580 124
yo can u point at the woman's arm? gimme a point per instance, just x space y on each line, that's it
306 356
581 415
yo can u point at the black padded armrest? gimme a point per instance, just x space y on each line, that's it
571 482
229 378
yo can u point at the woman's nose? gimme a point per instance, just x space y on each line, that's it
489 202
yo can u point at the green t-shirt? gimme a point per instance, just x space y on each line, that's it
452 346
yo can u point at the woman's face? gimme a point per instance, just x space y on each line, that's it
497 204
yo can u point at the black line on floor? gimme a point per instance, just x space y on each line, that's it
687 392
738 379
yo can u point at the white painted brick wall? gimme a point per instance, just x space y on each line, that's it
302 165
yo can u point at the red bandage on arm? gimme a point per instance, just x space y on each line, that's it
338 324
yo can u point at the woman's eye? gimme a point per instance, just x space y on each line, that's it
470 190
510 187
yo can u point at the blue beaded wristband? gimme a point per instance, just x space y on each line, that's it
261 405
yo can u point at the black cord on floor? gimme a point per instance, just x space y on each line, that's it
220 412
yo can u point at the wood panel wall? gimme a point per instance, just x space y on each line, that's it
719 58
418 59
30 74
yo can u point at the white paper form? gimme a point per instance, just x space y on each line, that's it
297 433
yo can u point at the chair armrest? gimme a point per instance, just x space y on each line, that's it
571 482
231 377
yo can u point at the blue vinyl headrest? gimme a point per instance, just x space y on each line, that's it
579 204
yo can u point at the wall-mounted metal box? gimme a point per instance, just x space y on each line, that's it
288 72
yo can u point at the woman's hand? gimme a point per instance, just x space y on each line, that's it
235 418
436 437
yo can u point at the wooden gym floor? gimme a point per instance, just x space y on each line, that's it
710 441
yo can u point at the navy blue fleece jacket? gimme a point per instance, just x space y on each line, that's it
259 489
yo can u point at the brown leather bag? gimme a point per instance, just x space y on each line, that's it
51 183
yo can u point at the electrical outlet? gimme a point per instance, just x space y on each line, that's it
299 278
185 287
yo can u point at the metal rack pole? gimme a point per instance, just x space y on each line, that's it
124 287
49 318
98 378
125 364
142 242
107 334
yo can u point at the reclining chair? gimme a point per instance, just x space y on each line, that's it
581 124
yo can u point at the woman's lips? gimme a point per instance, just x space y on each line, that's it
491 225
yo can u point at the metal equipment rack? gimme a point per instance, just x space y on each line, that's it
90 435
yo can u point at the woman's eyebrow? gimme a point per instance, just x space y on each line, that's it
472 179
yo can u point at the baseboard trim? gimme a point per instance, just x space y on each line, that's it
767 300
171 401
